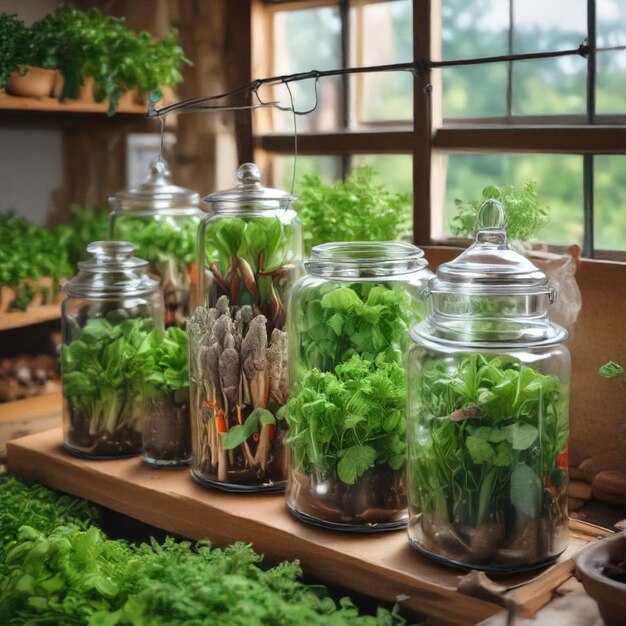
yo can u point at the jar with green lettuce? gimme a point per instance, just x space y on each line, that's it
250 253
488 383
111 307
349 322
162 220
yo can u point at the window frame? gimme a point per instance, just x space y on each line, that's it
432 137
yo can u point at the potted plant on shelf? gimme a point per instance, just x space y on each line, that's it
22 72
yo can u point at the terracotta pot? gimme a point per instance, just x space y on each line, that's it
85 93
131 98
59 83
609 594
31 82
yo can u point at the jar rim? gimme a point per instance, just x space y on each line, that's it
372 258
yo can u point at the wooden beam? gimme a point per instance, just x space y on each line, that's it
583 139
391 142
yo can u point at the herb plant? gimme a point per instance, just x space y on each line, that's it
346 415
250 261
611 370
102 383
163 359
58 567
524 214
357 209
14 46
487 461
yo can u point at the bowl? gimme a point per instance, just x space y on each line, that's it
608 593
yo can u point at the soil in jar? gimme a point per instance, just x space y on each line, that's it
167 430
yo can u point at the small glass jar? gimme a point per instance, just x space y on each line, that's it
488 412
349 321
110 307
250 248
162 220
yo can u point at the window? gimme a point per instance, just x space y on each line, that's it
559 121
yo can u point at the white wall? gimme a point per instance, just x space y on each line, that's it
31 167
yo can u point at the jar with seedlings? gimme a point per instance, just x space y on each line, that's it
349 323
488 425
111 307
250 248
162 220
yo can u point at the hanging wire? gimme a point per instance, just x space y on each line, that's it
419 68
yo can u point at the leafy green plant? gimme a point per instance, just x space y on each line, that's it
247 258
343 423
102 378
14 46
357 209
611 370
492 432
163 361
524 214
57 568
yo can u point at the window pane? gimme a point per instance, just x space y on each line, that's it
307 39
385 96
610 202
474 29
611 66
395 171
559 185
328 168
549 86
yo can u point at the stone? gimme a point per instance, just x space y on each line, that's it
611 460
573 504
610 487
579 489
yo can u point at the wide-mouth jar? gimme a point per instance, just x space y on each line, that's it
349 321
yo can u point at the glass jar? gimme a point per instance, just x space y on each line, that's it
488 412
251 250
111 307
162 220
349 321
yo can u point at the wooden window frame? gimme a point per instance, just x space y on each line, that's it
432 138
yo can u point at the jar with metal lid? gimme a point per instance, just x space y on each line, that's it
111 307
349 321
250 249
162 220
488 412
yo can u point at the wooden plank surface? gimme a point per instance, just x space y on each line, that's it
36 315
383 566
52 105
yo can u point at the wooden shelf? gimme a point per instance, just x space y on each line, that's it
383 565
52 105
31 415
36 315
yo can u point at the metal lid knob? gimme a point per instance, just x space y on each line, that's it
248 173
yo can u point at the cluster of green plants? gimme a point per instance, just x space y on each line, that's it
30 252
343 423
102 369
89 44
355 209
495 430
59 568
246 257
159 240
347 413
524 214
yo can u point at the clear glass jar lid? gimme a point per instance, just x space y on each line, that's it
363 259
156 193
489 266
112 270
490 295
249 193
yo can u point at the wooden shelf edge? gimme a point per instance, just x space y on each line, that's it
52 105
45 405
382 566
36 315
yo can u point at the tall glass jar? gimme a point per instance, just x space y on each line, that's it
162 220
110 308
349 321
251 252
488 412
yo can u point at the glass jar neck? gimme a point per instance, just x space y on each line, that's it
365 259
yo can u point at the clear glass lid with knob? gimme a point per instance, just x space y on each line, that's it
490 293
